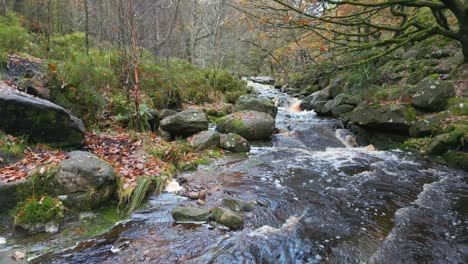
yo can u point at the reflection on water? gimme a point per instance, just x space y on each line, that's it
319 199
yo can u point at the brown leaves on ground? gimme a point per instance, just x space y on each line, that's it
126 154
30 162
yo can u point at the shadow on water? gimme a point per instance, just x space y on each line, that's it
317 201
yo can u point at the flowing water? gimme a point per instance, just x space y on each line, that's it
318 200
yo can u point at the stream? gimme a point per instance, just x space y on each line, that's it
318 199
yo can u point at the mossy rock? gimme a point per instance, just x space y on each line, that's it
448 141
227 218
397 118
185 123
234 143
256 103
433 95
190 215
205 140
457 159
250 125
237 205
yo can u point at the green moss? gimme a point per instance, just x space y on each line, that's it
105 218
12 146
416 144
410 114
38 210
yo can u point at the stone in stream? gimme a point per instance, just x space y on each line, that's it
256 103
397 118
38 119
190 215
433 95
309 102
251 125
185 124
234 143
205 140
341 100
227 218
237 205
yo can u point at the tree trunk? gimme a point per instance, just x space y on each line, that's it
86 26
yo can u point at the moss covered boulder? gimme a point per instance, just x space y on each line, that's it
445 142
38 119
234 143
251 125
84 179
397 118
256 103
190 215
185 124
339 106
227 218
205 140
433 95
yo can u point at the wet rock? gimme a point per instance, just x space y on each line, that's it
309 102
234 143
251 125
166 113
256 103
185 123
87 180
433 95
227 218
340 100
190 215
397 118
38 119
205 140
282 101
237 205
154 120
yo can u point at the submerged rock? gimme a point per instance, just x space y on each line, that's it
234 143
227 218
185 123
205 140
256 103
237 205
251 125
433 95
38 119
190 215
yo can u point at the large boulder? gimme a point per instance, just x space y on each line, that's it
251 125
190 215
256 103
205 140
397 118
185 123
86 180
38 119
234 143
433 95
227 218
429 124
